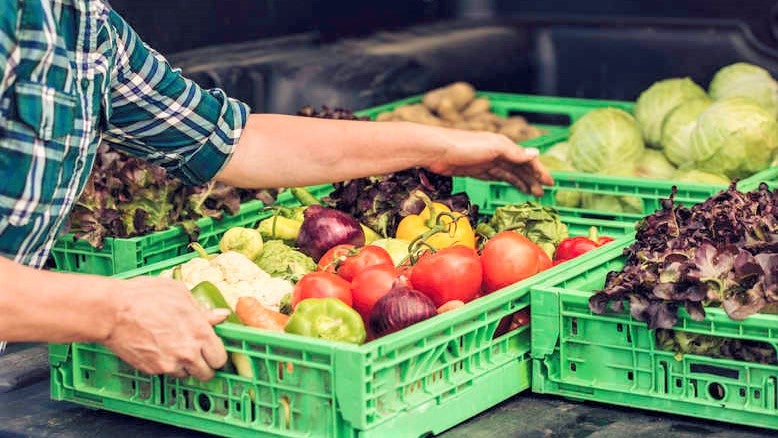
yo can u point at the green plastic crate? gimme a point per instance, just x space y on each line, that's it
424 379
614 359
549 113
124 254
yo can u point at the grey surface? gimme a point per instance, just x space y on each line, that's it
27 411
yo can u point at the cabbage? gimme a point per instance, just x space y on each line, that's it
604 138
563 198
698 176
735 137
653 164
677 130
656 102
558 151
746 80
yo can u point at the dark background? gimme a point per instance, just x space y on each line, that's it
278 55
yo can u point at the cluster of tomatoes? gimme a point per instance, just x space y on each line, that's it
360 276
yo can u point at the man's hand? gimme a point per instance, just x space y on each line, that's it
160 329
487 155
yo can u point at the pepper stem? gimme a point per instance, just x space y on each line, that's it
593 235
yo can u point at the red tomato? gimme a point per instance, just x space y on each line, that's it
509 257
330 260
363 258
321 284
452 273
544 261
370 285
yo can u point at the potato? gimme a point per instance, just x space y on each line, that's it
461 94
477 107
447 111
417 113
385 117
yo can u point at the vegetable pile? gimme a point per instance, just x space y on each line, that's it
320 272
678 132
722 252
457 106
126 197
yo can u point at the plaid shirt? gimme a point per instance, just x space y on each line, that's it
74 72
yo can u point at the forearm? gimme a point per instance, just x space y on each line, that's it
53 307
286 151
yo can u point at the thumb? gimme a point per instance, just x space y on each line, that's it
216 316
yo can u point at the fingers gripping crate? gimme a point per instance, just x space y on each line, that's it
424 379
612 358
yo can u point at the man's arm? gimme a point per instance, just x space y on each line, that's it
284 151
152 323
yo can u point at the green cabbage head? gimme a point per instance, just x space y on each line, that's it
656 102
735 137
698 176
678 127
603 139
653 164
746 80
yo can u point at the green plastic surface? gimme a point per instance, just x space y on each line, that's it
613 358
424 379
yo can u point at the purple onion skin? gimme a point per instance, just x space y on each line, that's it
399 308
324 228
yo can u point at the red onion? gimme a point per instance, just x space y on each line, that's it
324 228
399 308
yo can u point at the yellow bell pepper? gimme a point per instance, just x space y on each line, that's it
437 226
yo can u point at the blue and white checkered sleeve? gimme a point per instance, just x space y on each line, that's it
157 114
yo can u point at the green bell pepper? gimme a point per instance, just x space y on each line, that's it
327 318
209 296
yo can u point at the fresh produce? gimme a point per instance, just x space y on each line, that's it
573 247
255 314
370 285
285 304
734 136
396 248
126 196
457 106
677 130
234 276
720 252
348 261
401 307
281 260
692 175
327 318
540 224
450 306
452 273
653 164
279 227
246 241
604 138
509 257
714 346
321 284
330 113
324 228
437 227
746 80
382 202
209 297
655 103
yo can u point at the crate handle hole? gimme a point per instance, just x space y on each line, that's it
204 402
630 375
572 366
716 391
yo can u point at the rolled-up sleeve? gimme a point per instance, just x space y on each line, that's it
155 113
